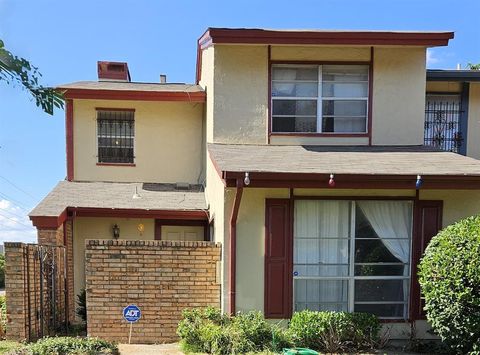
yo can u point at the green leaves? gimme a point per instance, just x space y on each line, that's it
449 276
16 70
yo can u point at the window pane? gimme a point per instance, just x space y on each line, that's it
294 124
320 270
344 107
294 73
295 107
383 310
382 270
115 130
346 73
381 290
321 294
375 251
295 89
344 124
345 89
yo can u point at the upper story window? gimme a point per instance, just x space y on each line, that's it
115 136
320 98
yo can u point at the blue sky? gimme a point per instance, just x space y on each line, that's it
66 38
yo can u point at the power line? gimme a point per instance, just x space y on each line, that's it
14 201
14 214
15 221
19 188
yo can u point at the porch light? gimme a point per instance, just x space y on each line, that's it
246 180
419 182
116 231
331 182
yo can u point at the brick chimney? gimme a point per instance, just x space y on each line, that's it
114 71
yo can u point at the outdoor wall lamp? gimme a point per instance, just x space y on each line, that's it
116 231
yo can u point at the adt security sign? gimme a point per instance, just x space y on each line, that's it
132 313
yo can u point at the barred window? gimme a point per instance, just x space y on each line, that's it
115 136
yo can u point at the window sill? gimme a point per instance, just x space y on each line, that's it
325 135
116 164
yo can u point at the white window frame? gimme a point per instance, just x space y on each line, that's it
98 162
320 99
351 278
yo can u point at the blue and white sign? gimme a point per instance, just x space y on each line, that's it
132 313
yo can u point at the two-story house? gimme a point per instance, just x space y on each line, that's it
301 152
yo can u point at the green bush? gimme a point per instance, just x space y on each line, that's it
334 331
449 275
3 316
82 305
207 330
69 345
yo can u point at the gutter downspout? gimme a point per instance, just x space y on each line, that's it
232 251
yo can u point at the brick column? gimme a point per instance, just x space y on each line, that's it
50 236
70 287
15 295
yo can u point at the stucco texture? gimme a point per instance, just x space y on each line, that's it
160 154
473 140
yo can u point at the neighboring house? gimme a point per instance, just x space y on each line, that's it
301 152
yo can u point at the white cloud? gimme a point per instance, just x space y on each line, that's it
15 225
431 58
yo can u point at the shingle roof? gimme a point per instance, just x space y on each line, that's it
119 195
364 160
131 86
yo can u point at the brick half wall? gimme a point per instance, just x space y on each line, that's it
160 277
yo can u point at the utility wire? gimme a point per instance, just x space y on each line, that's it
19 188
13 214
15 221
14 201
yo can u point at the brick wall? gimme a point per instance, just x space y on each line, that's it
161 277
50 236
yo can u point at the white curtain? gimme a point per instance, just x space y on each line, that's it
321 237
391 220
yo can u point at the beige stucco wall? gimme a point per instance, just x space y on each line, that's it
398 96
443 86
240 92
473 140
168 142
101 228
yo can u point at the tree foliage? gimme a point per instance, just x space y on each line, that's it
472 66
18 70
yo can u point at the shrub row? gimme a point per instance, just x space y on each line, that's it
68 345
208 330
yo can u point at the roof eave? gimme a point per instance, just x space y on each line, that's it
453 75
351 181
101 94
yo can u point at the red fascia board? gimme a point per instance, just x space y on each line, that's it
349 181
258 36
134 95
53 222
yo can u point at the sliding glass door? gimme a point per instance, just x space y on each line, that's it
352 256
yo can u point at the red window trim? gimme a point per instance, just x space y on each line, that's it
414 251
117 164
317 134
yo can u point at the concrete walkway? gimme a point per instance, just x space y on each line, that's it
138 349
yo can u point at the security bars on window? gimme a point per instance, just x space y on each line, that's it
115 136
319 98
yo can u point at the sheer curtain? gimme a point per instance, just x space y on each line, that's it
321 250
391 220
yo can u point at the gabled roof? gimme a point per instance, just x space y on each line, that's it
319 37
453 75
101 198
121 90
371 164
